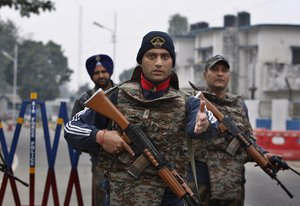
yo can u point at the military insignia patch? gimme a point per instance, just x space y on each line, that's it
157 41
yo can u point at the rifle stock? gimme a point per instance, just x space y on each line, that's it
100 103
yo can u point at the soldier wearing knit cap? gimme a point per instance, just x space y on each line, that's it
156 39
100 68
156 82
151 100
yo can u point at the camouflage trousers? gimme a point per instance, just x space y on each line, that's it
204 196
97 186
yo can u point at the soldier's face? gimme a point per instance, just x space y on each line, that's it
217 77
101 77
157 65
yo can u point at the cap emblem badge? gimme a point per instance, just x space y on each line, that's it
157 41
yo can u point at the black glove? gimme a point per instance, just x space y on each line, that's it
279 162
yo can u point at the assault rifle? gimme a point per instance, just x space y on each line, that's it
149 154
7 170
271 167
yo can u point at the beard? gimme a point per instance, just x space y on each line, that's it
102 83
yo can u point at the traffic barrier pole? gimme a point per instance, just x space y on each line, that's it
32 147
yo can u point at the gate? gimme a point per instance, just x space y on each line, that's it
51 152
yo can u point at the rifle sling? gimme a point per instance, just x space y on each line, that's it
193 164
192 155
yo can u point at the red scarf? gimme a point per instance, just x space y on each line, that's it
149 86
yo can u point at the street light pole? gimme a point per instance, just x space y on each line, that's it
113 37
15 61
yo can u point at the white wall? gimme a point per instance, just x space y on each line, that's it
279 114
253 111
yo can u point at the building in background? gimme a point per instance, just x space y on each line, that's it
264 60
6 101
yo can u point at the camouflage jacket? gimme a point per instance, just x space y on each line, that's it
226 172
163 119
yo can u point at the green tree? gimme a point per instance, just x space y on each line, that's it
8 36
126 75
178 25
41 68
28 7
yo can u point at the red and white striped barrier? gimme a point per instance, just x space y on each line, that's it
285 143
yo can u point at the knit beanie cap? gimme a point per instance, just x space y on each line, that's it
156 39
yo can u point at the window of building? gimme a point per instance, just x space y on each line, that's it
295 55
204 54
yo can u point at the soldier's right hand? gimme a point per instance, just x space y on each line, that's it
202 122
112 142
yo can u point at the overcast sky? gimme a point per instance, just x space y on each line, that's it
80 38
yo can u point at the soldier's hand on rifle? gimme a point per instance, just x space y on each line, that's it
112 142
278 161
202 122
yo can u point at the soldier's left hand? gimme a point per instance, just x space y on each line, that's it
202 123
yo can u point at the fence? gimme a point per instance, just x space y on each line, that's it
51 152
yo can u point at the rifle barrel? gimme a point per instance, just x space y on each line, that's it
283 187
294 170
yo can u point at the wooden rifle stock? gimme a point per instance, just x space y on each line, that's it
166 175
100 103
260 159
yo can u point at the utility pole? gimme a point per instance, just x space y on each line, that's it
79 47
15 70
113 39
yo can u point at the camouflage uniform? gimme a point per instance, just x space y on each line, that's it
226 172
163 120
160 110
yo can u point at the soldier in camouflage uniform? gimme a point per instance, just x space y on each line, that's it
100 68
221 175
151 99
